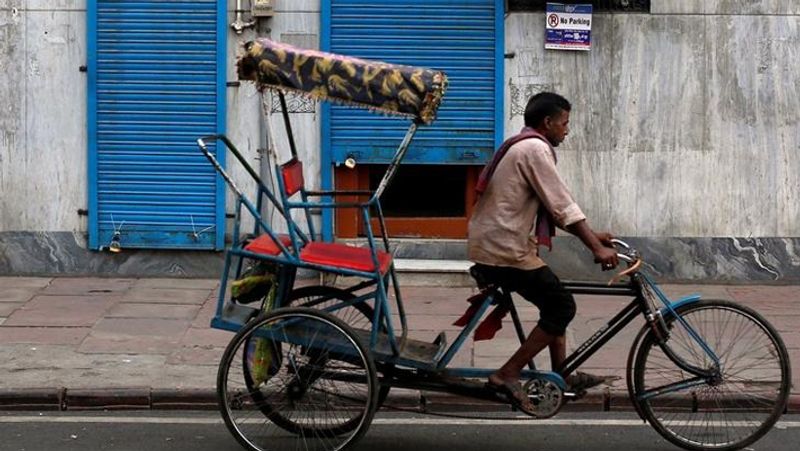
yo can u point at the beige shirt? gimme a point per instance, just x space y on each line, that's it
501 229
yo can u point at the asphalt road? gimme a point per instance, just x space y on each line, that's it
204 431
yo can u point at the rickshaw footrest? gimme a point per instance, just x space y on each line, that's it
441 342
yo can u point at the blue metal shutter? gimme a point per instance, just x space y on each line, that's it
156 84
461 37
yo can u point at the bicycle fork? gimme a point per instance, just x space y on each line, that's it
711 376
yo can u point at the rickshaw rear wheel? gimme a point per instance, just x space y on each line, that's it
316 381
358 316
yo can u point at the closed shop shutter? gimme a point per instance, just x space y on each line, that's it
461 37
156 84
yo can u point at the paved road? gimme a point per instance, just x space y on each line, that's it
204 431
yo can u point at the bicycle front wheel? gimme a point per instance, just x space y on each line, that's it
734 408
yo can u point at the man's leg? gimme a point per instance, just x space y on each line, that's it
508 375
556 309
510 371
558 352
556 306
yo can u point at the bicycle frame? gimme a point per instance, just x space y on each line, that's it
638 306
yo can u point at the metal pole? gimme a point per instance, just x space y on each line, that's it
398 157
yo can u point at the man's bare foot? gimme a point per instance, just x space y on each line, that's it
513 390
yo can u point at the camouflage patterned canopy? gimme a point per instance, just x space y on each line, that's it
390 88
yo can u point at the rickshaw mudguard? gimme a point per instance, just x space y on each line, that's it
388 88
667 312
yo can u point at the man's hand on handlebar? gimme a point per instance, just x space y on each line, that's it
607 257
599 242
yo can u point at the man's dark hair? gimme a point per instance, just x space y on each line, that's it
542 105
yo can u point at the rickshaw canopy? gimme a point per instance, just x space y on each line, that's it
389 88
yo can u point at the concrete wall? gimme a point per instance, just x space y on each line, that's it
684 124
684 134
43 115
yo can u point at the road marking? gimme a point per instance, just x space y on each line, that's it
110 420
378 421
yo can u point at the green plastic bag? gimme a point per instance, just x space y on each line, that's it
264 363
255 282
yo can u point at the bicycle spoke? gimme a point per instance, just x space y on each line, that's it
719 413
318 389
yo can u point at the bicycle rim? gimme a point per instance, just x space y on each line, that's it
723 414
359 316
316 389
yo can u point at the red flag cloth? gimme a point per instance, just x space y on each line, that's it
494 322
472 310
545 227
487 329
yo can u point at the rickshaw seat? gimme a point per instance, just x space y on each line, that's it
264 244
343 256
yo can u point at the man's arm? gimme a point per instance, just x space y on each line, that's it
606 256
540 172
604 237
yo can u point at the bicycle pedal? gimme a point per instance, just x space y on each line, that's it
574 396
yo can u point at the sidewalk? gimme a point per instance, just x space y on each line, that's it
77 343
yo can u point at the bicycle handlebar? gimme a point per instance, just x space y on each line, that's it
620 243
627 258
628 255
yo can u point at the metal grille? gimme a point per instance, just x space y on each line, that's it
154 89
462 41
599 5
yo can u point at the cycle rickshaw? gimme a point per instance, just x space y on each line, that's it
308 367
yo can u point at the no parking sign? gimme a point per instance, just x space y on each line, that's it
569 27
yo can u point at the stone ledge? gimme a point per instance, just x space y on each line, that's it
107 399
32 399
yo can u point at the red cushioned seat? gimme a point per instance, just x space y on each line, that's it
264 244
343 256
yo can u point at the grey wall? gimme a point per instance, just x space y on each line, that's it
684 134
43 115
684 124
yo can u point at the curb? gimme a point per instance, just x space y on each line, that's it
138 398
81 399
33 399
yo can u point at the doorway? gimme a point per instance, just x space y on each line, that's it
423 201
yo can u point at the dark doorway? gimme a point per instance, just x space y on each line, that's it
429 201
